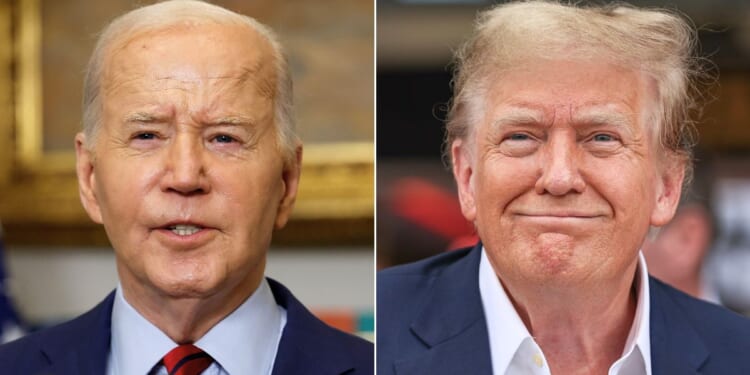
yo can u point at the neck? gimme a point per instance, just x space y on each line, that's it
185 320
581 330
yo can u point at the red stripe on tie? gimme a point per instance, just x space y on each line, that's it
186 360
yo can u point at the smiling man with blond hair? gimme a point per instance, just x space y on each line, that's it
569 136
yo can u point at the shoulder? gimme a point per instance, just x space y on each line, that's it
706 316
331 345
34 352
25 354
405 292
307 341
337 346
421 271
676 318
716 318
429 313
409 283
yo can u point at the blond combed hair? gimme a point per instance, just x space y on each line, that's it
659 43
171 13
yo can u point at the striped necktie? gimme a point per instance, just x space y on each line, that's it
186 359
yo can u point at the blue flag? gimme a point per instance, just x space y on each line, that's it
10 323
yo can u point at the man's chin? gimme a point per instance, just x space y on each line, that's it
187 288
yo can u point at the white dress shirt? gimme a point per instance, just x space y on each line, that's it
244 342
514 351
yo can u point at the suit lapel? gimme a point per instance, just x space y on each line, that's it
452 324
675 346
83 346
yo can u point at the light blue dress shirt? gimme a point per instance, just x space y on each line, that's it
244 342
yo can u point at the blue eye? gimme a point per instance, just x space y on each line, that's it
518 137
603 138
223 139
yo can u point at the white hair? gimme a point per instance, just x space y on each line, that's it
176 12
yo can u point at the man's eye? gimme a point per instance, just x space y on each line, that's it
145 136
223 138
603 138
518 137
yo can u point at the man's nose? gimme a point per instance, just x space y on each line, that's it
560 167
185 166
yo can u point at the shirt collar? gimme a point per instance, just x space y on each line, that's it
507 333
239 343
638 345
245 342
137 345
506 329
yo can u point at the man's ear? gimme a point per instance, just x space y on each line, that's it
86 178
463 172
669 190
290 182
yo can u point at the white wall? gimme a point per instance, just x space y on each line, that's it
50 285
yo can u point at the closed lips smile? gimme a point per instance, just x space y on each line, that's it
559 215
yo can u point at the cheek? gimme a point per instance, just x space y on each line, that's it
630 192
501 179
250 214
252 193
122 189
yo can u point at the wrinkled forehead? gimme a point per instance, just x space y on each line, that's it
609 86
191 52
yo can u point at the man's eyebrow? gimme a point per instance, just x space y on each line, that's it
145 117
232 121
602 115
519 116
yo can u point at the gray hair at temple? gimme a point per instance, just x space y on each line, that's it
658 43
178 12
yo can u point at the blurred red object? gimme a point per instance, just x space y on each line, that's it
341 319
434 209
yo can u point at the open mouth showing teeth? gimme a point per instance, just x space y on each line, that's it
184 230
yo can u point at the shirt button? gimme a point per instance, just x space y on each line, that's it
538 361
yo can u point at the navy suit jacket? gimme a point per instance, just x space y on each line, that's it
81 346
430 320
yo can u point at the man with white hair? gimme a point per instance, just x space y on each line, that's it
569 135
189 159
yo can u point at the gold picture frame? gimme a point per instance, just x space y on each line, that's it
39 203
